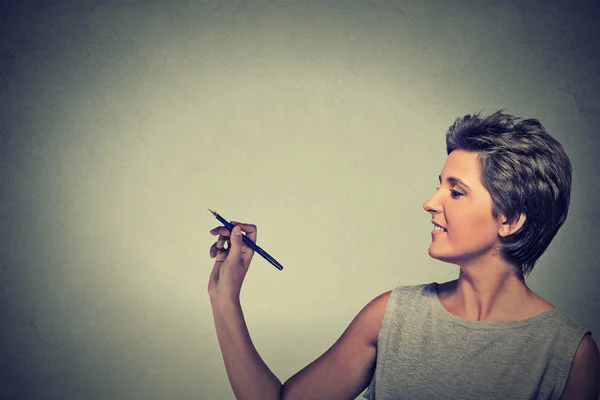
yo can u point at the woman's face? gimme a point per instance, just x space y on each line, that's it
463 207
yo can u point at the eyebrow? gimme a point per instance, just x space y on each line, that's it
453 181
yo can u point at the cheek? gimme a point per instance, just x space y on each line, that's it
472 226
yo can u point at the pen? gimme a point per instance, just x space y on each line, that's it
249 242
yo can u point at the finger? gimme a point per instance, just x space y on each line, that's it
221 255
221 242
247 252
235 248
249 229
220 230
215 251
213 281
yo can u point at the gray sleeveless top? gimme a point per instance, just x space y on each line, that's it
426 352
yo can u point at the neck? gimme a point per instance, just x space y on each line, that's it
491 292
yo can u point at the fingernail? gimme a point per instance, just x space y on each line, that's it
238 232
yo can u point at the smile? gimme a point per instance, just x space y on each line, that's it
438 228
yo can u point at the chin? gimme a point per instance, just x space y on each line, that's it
441 256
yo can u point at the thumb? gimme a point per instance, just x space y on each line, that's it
236 243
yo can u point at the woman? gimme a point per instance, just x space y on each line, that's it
504 193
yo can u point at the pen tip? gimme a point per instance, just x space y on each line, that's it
211 211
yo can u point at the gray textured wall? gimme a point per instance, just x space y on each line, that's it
121 122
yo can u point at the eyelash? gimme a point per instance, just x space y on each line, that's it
454 193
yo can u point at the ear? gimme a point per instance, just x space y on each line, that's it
508 228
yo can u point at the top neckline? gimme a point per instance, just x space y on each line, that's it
447 315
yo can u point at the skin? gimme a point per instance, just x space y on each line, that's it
342 372
487 289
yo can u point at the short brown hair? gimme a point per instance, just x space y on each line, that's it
526 171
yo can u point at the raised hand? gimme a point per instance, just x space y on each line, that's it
231 261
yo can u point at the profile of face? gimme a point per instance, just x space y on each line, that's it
462 206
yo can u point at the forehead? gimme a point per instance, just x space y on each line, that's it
464 165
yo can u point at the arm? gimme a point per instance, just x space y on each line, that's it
249 376
341 373
584 378
344 370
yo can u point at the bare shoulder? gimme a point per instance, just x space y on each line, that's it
584 377
346 368
374 315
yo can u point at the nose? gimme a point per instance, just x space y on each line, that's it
432 205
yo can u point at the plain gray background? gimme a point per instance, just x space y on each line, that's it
323 123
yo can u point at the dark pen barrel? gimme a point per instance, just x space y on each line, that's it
270 259
250 243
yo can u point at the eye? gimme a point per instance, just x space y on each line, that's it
455 194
